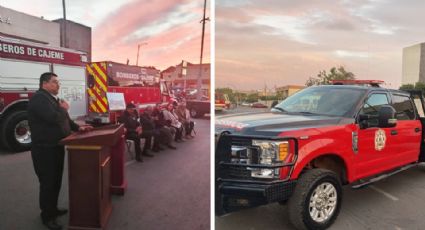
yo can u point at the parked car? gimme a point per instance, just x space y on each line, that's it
222 102
258 105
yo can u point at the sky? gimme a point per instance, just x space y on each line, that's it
169 30
284 42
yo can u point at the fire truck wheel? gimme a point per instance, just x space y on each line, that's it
16 131
316 201
194 113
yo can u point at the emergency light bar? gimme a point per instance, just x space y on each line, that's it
373 83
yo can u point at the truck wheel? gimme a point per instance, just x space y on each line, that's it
316 201
16 131
195 114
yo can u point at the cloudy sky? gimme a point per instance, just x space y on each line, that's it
170 28
281 42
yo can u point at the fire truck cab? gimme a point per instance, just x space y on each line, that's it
21 64
303 153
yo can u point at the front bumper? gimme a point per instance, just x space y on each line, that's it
236 188
236 196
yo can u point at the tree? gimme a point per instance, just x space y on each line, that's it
253 97
407 87
324 78
417 85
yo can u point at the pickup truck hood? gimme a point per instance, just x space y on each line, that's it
273 123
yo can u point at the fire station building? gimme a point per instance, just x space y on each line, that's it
14 24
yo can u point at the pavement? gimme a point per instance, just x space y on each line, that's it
169 191
395 203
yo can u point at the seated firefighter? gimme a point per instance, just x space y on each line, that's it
133 130
165 133
184 117
173 122
149 130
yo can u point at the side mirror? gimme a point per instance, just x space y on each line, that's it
386 117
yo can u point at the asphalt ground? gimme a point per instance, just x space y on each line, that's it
395 203
392 204
169 191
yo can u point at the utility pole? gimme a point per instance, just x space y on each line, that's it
63 41
138 49
199 82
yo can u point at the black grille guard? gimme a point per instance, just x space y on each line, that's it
223 165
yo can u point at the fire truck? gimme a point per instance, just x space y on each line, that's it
112 85
21 64
307 147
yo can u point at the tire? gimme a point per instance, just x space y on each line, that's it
195 114
16 133
310 184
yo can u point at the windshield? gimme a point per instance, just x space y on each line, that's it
322 101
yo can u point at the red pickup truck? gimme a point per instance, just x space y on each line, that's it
310 145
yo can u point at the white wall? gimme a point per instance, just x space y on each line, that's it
27 26
411 64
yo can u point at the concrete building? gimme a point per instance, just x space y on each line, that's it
413 67
78 36
185 75
15 24
30 28
288 90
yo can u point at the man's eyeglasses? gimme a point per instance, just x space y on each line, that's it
56 82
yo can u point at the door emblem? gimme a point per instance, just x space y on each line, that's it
380 139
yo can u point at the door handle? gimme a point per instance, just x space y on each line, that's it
417 130
394 132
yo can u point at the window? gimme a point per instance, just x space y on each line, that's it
404 108
372 106
374 103
331 101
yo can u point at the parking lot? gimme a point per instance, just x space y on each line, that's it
394 203
169 191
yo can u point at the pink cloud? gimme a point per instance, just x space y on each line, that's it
180 42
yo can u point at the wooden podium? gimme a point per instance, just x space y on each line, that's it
89 166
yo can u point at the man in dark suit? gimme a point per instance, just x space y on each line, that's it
134 130
49 122
149 130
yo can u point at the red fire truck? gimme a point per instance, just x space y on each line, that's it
21 64
307 147
112 85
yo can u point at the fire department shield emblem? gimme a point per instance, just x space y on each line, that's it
380 139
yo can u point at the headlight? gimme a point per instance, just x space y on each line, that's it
271 152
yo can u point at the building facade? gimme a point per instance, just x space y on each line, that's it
413 67
185 75
287 90
15 24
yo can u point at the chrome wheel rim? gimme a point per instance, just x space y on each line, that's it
323 202
22 132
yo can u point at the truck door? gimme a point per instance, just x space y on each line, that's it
374 144
73 88
407 133
418 100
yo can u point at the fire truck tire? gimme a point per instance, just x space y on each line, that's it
9 130
3 144
194 113
316 200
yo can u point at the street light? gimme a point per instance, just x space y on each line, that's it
138 49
